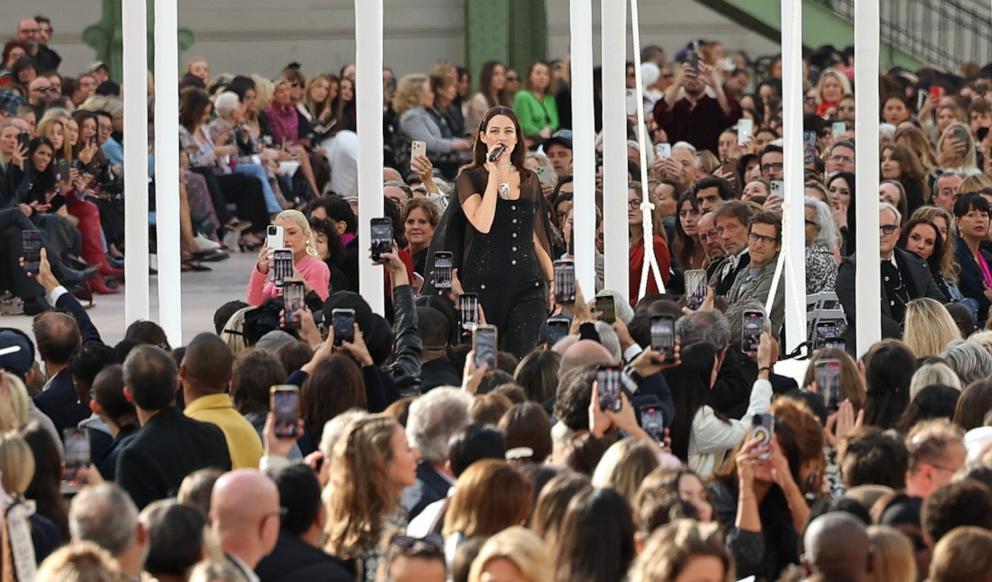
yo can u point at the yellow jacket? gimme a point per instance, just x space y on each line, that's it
242 440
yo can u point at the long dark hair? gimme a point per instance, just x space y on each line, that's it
44 180
516 156
692 378
849 178
684 245
938 243
485 84
596 538
889 368
192 103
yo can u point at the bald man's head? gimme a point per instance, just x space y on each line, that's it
837 545
244 514
585 353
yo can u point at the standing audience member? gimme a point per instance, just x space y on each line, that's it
244 518
105 515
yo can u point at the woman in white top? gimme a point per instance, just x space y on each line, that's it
700 435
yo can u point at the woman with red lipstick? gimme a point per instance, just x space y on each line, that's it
971 213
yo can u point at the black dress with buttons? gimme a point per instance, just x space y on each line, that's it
502 266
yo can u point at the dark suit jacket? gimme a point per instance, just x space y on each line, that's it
59 403
722 285
971 279
294 560
431 486
916 275
439 372
166 449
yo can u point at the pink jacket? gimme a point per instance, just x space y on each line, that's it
314 272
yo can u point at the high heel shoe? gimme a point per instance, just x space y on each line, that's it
98 286
107 271
83 293
72 276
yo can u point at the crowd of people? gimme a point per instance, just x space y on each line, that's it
307 437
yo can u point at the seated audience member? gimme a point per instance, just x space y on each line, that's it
298 554
406 558
169 445
432 421
836 547
205 374
712 245
904 277
297 237
936 452
731 221
964 554
244 518
683 550
822 247
956 504
971 213
513 550
117 413
105 515
437 369
81 561
751 287
176 539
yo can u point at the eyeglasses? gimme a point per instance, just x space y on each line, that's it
633 204
755 237
846 109
847 159
48 89
888 228
772 166
511 78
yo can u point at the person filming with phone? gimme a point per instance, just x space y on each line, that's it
289 232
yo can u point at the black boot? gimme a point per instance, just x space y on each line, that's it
35 305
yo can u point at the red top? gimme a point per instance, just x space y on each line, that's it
664 259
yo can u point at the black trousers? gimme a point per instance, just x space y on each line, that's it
245 192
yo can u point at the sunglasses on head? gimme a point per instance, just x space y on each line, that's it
429 544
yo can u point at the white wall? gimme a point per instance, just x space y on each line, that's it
264 35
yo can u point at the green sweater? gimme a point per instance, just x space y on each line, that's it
535 115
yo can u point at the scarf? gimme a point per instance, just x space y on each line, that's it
18 533
284 123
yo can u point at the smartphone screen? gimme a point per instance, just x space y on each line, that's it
564 281
752 324
285 405
442 270
653 422
838 129
63 169
663 336
293 294
23 140
631 102
31 247
836 344
763 427
745 127
382 237
809 147
282 265
343 321
484 346
558 328
468 309
827 374
609 382
825 331
608 307
695 288
77 452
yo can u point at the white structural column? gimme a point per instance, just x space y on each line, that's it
650 264
134 17
167 170
793 211
583 146
615 237
368 80
866 47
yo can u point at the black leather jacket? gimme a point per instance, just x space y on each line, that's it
404 369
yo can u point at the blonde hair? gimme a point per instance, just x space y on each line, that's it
624 466
969 161
45 129
233 332
841 78
16 462
893 559
982 338
670 548
518 545
309 103
409 92
933 373
80 562
929 327
15 405
963 554
362 493
264 88
300 220
974 184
